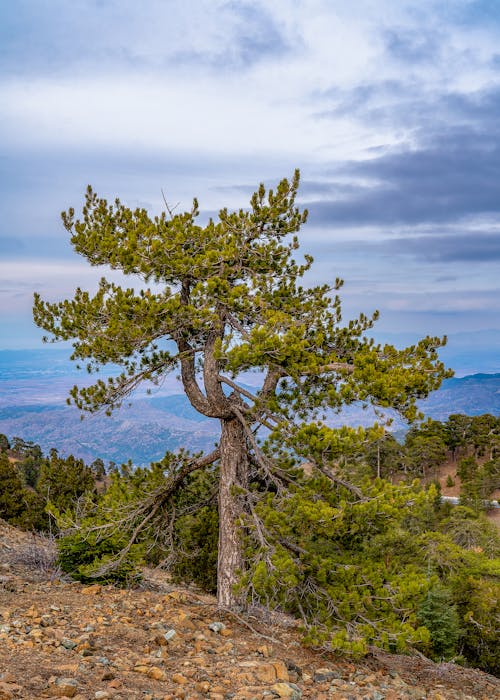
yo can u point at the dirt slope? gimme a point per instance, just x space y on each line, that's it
61 639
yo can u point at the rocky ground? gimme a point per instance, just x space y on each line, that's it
63 639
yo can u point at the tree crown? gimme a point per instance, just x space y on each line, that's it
229 296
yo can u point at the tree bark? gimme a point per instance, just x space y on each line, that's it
233 474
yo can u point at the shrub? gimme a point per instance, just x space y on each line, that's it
480 612
82 554
11 491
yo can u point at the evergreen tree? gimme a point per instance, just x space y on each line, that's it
4 443
425 453
440 617
385 456
30 469
467 468
63 481
11 490
98 469
457 432
26 448
229 299
484 432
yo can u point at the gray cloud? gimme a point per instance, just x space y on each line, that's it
256 38
451 175
50 38
413 46
411 104
474 247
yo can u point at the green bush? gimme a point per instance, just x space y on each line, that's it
11 491
82 554
479 607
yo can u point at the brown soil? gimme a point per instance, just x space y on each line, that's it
63 639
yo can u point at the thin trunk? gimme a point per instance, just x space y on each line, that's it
233 473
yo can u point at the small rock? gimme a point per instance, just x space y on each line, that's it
179 678
101 695
287 690
63 688
67 643
95 589
170 634
157 674
140 668
8 677
281 671
266 673
216 627
103 660
324 674
202 686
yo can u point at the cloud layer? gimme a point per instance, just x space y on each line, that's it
389 109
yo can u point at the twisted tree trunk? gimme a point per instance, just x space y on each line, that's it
233 474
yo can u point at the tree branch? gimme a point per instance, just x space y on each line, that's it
252 397
332 367
187 357
261 459
336 480
155 502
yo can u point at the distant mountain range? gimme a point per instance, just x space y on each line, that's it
34 386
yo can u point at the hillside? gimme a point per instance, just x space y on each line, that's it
34 386
473 395
160 642
141 432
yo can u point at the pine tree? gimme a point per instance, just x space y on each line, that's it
440 617
4 443
229 298
63 481
11 490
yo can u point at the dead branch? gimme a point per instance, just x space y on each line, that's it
261 459
247 624
154 503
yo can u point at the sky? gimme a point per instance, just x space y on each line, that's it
390 108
